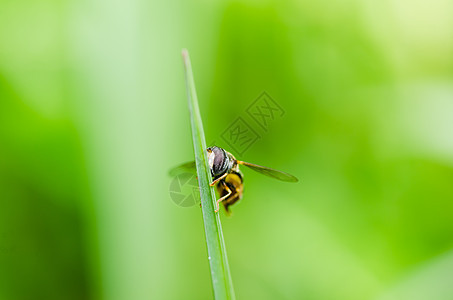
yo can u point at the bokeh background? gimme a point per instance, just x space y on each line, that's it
93 113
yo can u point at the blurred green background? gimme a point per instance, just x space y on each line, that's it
93 113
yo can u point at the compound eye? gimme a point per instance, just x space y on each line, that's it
219 162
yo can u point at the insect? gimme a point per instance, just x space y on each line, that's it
227 176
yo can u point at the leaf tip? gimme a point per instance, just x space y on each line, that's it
185 54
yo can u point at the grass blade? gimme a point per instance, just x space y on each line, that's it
218 262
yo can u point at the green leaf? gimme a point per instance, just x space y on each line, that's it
217 257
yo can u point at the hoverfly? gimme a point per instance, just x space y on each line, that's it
227 176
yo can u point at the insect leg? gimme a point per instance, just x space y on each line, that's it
218 179
224 197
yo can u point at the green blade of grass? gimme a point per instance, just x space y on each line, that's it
218 262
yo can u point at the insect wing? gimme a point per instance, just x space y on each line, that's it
188 167
270 172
